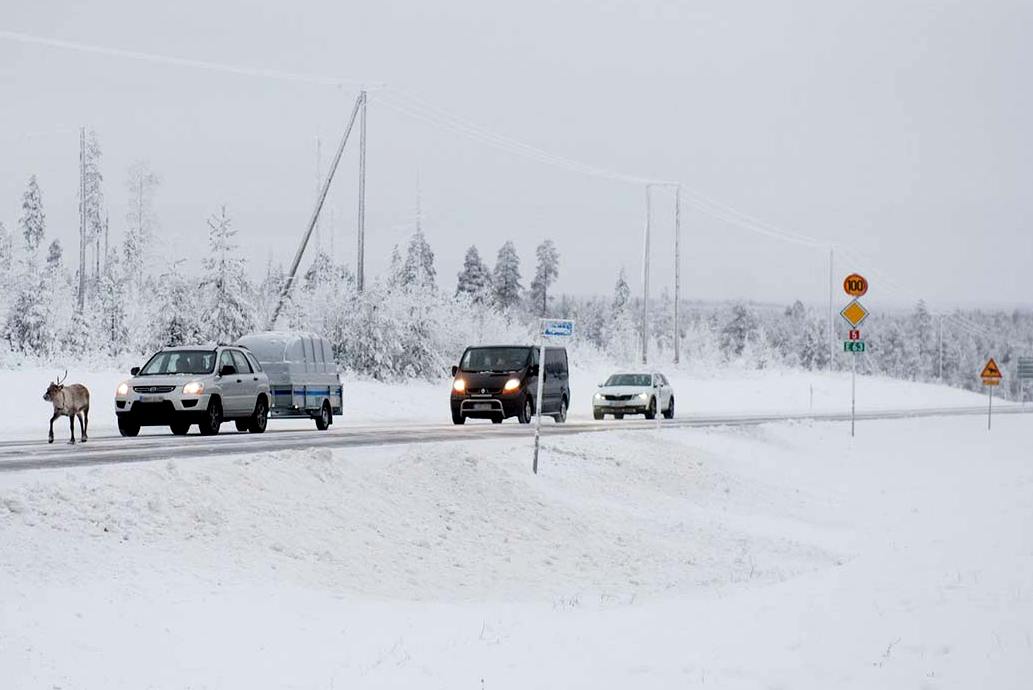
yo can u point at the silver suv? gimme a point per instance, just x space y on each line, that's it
203 385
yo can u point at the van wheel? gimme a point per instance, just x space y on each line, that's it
458 418
497 420
618 415
212 418
325 418
259 418
527 411
669 412
562 416
128 428
180 428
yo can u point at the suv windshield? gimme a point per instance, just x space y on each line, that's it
629 380
180 362
495 359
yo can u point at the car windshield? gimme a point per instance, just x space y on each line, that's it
495 359
629 380
180 362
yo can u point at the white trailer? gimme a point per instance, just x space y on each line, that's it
303 377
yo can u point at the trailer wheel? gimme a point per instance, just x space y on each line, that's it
325 419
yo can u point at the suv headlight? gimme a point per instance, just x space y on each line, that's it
511 385
193 388
122 390
643 396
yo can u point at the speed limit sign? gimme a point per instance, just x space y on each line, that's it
855 285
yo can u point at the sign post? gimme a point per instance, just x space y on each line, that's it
991 376
1025 372
550 328
854 314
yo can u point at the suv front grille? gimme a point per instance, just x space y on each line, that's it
154 389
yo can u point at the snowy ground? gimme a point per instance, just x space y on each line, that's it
24 414
782 556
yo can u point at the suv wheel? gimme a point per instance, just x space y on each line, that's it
256 424
325 418
180 428
669 412
562 416
527 411
211 420
127 427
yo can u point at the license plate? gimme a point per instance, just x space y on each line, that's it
151 398
483 406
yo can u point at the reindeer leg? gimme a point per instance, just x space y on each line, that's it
85 422
82 426
71 426
50 436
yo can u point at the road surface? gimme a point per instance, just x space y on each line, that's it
37 455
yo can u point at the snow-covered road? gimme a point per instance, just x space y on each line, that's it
36 455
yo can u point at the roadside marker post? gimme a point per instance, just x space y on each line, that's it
854 314
1024 372
991 376
550 328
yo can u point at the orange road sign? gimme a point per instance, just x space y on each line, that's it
991 373
854 313
855 285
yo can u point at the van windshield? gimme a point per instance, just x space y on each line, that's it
501 359
180 362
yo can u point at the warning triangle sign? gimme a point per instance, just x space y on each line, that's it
991 370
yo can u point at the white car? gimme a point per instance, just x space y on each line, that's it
634 392
203 385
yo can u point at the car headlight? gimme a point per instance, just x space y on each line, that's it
643 396
122 390
459 385
597 396
511 385
193 388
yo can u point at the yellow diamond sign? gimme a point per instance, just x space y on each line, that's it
854 313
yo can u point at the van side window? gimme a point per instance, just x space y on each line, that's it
555 361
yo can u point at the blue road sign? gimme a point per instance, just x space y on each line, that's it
562 328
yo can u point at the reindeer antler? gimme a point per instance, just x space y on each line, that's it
62 379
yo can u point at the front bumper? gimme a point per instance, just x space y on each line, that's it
487 406
621 406
161 410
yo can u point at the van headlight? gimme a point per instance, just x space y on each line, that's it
643 396
511 385
459 385
193 388
122 390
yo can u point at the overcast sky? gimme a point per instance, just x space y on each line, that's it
902 129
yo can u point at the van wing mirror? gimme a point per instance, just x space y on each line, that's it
455 370
227 370
534 370
134 371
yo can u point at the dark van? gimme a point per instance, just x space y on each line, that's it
499 381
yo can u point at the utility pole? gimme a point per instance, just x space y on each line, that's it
360 269
832 348
645 280
82 218
319 185
677 272
315 213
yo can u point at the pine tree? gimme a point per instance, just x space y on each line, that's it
33 221
418 270
6 253
474 280
622 329
140 220
111 306
506 277
394 271
546 272
227 291
741 329
94 200
55 255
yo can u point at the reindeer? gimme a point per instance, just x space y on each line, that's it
71 401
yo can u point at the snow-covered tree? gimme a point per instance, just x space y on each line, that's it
94 201
227 292
506 277
739 330
55 256
6 253
474 280
545 274
33 221
141 223
622 339
418 271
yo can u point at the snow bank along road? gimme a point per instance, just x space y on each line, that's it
24 455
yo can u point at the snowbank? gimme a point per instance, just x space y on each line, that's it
778 556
